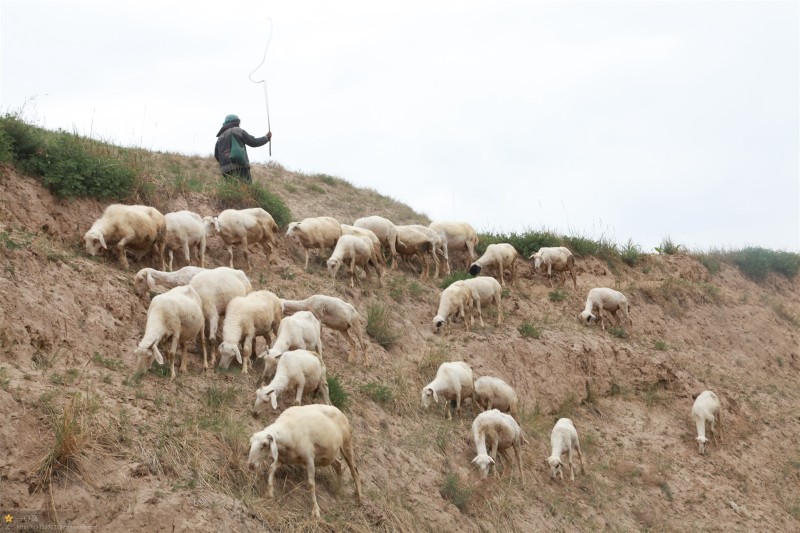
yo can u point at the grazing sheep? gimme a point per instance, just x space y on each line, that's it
385 230
706 408
352 251
499 257
298 331
369 234
176 316
556 258
459 237
563 438
137 228
414 242
494 393
296 368
148 278
440 245
453 381
244 227
604 299
318 232
485 291
455 300
310 435
185 231
335 314
249 316
501 432
217 288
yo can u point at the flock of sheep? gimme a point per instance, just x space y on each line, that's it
317 434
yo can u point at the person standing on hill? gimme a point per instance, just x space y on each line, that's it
231 152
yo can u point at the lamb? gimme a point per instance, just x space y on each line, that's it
176 316
604 299
185 231
563 438
296 368
310 435
706 408
244 227
256 314
556 258
217 288
485 291
494 393
456 300
319 232
138 228
369 234
385 230
453 381
299 331
148 278
501 432
421 244
335 314
459 236
499 257
352 250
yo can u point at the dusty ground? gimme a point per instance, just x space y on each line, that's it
155 455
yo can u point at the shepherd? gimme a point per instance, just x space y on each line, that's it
231 152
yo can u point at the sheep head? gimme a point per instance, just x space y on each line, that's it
429 396
209 225
586 317
260 446
94 241
556 466
145 355
537 260
474 269
333 266
227 350
262 400
438 322
483 461
702 441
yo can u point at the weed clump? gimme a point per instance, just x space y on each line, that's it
339 397
380 327
529 331
456 491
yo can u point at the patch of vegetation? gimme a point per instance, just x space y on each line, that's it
630 253
557 295
666 490
456 491
618 332
111 364
669 247
339 397
377 392
328 180
434 357
217 397
526 243
234 194
455 275
711 261
380 326
15 241
529 331
4 379
313 187
756 263
567 406
660 345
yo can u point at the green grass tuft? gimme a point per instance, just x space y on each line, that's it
529 331
339 397
380 326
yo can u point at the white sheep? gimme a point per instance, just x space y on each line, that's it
385 230
352 251
455 301
298 331
247 317
706 408
485 291
149 278
244 227
217 288
498 257
494 393
415 242
439 244
137 228
459 236
602 299
500 432
185 231
335 314
564 438
556 258
296 368
310 435
315 232
369 234
175 316
453 381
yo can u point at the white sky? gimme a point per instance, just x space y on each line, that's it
603 119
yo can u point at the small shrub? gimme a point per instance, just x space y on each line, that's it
557 295
618 332
4 379
111 364
711 262
455 275
660 345
339 397
630 253
71 436
756 263
529 331
669 247
456 491
379 393
380 326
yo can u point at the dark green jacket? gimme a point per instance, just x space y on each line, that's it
222 150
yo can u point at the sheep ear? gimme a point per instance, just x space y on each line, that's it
273 447
216 224
491 461
102 242
238 354
435 397
263 384
278 356
151 283
159 358
273 400
475 461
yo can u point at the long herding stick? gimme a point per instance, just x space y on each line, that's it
264 82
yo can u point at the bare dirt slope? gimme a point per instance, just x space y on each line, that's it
155 455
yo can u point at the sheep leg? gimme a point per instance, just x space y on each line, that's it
169 266
580 457
494 456
305 266
497 302
202 343
271 478
184 353
571 467
353 271
247 349
121 251
458 403
213 324
352 356
347 453
518 455
312 485
480 312
173 349
502 274
201 248
301 385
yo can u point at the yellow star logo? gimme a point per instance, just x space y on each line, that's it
9 518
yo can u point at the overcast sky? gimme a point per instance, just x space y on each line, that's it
602 119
